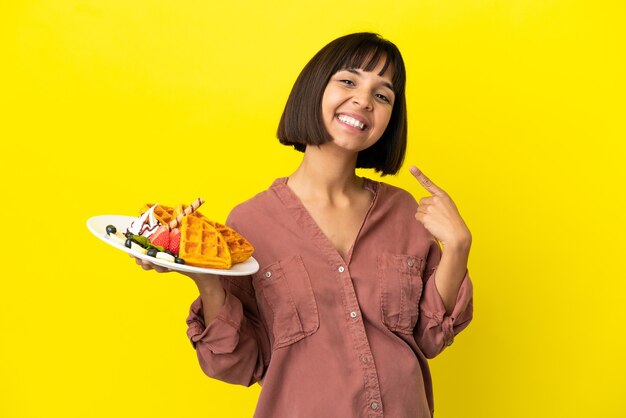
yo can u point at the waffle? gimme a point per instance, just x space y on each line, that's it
240 248
163 214
201 245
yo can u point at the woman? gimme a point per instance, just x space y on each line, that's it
354 291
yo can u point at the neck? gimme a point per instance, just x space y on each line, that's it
325 174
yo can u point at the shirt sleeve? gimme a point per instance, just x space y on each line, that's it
435 330
234 347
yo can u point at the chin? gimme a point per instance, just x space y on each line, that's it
352 146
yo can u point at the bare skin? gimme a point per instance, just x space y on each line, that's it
339 205
440 217
326 182
209 286
328 187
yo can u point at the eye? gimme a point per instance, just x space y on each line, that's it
383 97
347 82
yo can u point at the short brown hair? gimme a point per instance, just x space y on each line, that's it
301 123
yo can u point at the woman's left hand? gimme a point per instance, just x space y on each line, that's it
440 216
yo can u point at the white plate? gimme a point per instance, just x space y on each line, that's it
97 225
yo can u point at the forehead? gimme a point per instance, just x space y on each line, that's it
366 58
385 79
371 60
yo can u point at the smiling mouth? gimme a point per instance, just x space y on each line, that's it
352 122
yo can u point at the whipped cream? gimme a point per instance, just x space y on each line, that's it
145 225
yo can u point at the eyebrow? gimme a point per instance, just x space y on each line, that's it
357 72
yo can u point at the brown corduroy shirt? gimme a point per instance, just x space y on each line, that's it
324 336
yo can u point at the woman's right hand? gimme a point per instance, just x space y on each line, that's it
147 265
203 281
209 286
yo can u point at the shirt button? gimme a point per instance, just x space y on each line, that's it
409 263
365 360
353 314
374 406
341 269
268 274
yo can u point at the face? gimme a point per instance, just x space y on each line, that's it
356 106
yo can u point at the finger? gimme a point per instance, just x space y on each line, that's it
423 209
426 182
146 265
160 269
428 200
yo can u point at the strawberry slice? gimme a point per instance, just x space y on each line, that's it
174 240
161 237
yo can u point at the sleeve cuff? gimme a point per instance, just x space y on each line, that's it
433 307
221 335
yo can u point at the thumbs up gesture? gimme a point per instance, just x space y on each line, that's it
440 216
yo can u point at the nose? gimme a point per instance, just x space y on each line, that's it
362 99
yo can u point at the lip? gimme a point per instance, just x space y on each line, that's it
358 117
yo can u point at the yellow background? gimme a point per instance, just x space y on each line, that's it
516 108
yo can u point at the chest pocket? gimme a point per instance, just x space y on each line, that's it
400 278
286 301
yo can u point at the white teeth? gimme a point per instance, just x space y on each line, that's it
351 121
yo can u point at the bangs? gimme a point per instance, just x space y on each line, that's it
366 60
365 55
